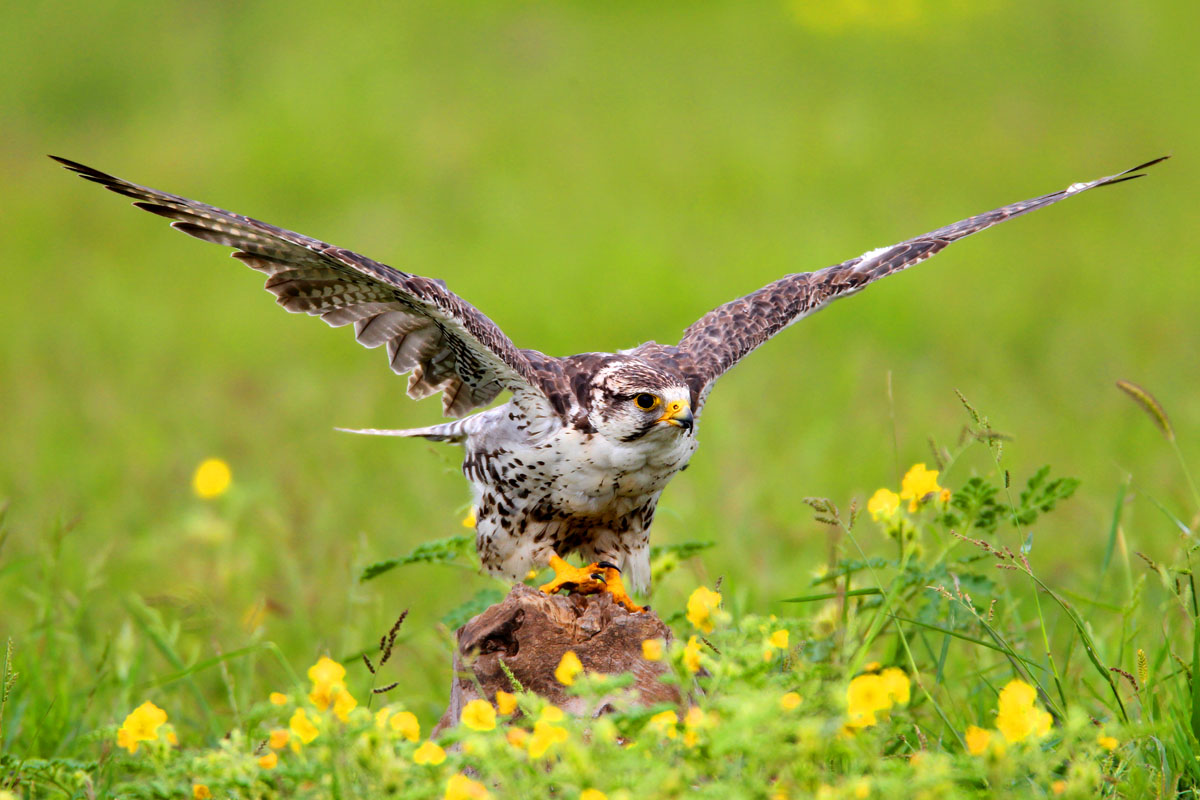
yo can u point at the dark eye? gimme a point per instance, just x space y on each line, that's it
646 401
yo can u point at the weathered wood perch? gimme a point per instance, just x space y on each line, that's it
531 631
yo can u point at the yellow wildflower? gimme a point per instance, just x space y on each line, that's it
1059 786
517 737
552 714
429 753
778 639
406 724
1108 742
569 668
327 676
790 701
978 740
691 654
652 649
917 484
201 792
278 699
592 794
896 684
211 478
460 787
469 520
506 702
478 715
278 739
866 695
344 703
545 734
1018 717
664 722
269 761
171 738
883 505
141 725
302 726
695 718
862 788
702 606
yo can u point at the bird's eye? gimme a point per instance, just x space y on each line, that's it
646 401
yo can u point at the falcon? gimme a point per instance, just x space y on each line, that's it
576 459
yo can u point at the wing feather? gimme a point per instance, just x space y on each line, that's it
725 335
446 344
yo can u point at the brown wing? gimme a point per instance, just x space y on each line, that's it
725 335
446 343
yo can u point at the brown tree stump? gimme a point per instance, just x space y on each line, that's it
530 631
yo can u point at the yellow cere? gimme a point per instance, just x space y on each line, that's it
211 479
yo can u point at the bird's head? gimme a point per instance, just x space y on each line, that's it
632 401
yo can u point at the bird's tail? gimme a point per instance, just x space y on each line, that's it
453 432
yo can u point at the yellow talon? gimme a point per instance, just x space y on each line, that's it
594 578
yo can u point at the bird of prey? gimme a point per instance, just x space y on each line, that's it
576 459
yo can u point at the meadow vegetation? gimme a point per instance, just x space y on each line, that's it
593 177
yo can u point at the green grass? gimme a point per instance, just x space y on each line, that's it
591 177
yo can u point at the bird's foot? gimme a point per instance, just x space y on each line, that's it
599 576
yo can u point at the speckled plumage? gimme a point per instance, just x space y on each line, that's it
572 462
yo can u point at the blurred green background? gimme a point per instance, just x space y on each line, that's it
591 176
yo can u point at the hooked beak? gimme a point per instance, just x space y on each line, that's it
679 414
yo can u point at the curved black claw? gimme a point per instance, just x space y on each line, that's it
608 565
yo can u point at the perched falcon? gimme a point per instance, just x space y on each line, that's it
577 458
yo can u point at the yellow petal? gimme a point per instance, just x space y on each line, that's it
429 753
978 740
569 668
479 715
506 702
211 478
407 725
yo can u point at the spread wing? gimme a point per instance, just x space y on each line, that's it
725 335
446 343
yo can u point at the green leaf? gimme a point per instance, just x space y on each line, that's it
439 551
